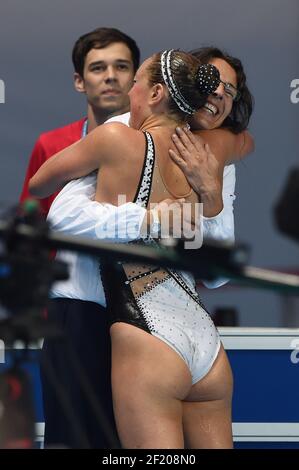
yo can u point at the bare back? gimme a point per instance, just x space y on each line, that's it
122 175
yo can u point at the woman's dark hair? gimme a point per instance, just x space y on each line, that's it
188 78
239 117
98 39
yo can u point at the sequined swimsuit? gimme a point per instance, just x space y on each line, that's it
162 302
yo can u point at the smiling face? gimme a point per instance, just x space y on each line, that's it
219 104
107 78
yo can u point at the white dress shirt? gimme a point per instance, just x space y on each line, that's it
75 212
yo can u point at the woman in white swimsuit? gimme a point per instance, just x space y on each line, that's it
171 379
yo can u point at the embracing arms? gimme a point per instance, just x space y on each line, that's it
203 155
79 159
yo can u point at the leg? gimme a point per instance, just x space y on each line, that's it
86 327
149 381
207 408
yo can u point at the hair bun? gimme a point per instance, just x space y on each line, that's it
207 78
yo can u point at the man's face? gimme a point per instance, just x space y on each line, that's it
107 78
220 103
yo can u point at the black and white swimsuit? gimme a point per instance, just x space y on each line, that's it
163 302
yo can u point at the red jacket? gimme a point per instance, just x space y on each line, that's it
47 145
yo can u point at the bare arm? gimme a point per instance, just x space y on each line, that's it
226 146
78 160
248 144
202 158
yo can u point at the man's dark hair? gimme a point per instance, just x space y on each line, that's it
241 111
98 39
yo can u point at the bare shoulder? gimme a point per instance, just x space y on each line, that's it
118 141
248 145
110 130
226 145
224 135
117 130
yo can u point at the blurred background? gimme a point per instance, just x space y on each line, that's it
37 37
